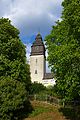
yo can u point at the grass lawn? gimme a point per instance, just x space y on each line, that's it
45 111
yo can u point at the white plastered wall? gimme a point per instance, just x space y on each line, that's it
37 62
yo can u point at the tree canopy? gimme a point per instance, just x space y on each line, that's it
13 96
12 54
63 44
14 72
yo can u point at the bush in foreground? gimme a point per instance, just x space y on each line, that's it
13 97
35 88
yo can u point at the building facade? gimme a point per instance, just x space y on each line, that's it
38 63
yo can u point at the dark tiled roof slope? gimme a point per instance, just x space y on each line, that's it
38 40
48 76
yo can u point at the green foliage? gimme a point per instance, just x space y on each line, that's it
51 90
35 88
41 96
63 46
12 98
38 111
14 72
13 54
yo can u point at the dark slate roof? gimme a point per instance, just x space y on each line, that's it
38 47
38 36
38 40
48 76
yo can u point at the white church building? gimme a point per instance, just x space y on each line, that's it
38 63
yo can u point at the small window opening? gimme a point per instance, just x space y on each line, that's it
35 71
36 61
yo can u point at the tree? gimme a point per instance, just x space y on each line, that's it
13 96
14 73
63 46
12 54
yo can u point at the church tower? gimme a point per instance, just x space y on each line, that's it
37 60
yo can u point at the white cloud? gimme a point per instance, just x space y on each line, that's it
48 70
30 15
28 51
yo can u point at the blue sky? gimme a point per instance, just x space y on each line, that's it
31 17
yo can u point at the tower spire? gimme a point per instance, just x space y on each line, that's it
38 47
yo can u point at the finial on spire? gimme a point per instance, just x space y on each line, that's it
39 30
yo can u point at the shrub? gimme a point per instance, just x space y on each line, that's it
36 88
13 96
